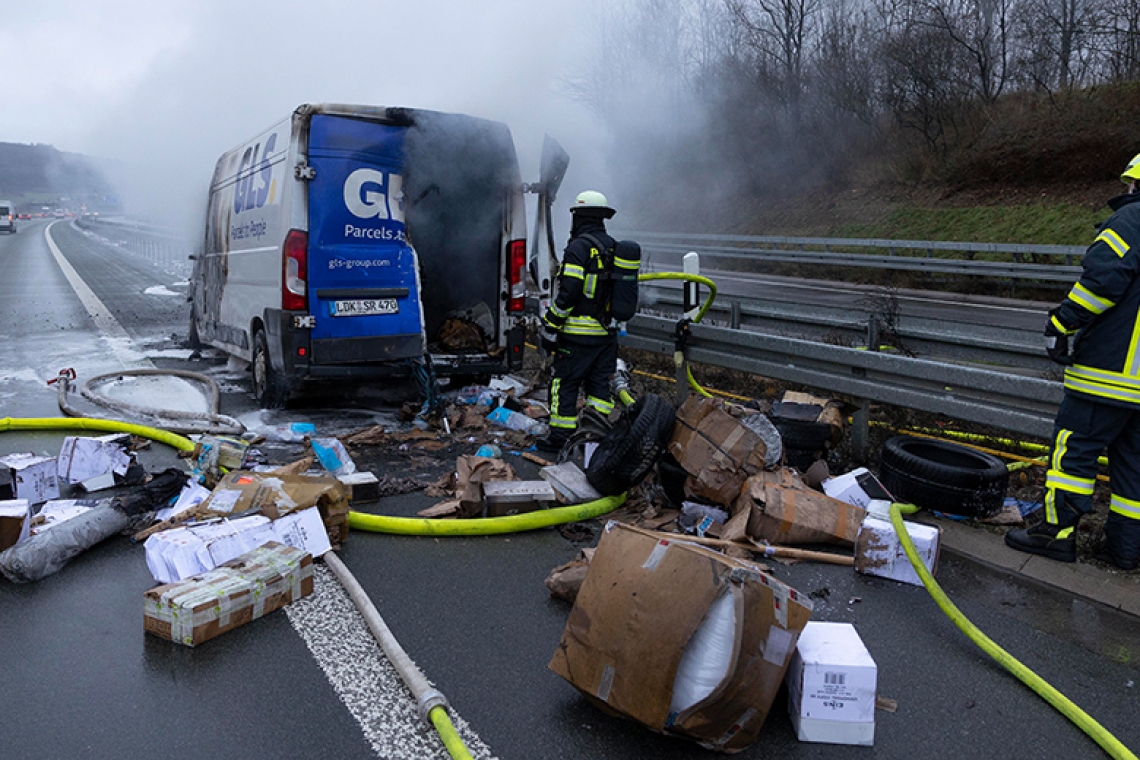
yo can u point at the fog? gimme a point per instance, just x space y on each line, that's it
161 89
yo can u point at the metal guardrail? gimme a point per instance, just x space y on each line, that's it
959 341
1023 405
909 255
160 245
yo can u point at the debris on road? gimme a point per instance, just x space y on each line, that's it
565 580
505 497
15 522
198 609
330 452
879 552
831 683
666 667
777 506
569 483
859 487
28 476
92 462
277 495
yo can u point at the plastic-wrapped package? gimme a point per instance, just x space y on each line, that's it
504 417
333 456
763 427
707 657
46 553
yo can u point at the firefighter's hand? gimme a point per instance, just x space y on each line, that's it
548 341
1057 344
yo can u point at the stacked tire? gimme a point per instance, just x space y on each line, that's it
943 476
632 446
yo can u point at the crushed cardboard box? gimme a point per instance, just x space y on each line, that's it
779 508
464 484
565 580
15 522
806 407
272 495
83 459
641 604
717 450
200 608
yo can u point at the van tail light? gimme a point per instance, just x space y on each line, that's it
516 272
295 260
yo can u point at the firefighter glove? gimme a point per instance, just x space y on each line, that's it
1057 343
548 341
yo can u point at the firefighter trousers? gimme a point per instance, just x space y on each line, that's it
580 363
1083 429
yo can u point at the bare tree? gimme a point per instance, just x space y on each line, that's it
1056 40
780 32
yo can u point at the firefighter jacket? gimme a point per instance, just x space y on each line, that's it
581 308
1103 309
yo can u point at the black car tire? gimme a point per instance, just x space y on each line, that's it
632 447
269 386
943 476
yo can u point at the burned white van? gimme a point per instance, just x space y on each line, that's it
357 241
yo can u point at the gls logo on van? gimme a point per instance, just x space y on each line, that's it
366 196
248 193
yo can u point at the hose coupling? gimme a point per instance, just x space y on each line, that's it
428 701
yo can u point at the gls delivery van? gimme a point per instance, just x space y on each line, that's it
355 241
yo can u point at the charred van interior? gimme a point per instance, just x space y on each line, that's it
460 172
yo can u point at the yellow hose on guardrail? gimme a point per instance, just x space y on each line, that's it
1063 704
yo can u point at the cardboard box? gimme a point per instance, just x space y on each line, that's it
513 497
81 459
859 487
639 607
200 608
832 682
362 487
781 509
276 495
879 552
27 476
569 483
715 449
15 522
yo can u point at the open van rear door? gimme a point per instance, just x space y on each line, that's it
544 258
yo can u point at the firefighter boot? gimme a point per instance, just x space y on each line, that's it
1121 545
1053 540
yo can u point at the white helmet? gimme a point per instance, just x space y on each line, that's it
592 200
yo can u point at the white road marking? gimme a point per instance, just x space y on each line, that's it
112 332
339 640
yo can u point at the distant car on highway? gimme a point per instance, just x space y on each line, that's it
7 217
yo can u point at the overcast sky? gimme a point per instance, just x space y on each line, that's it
168 86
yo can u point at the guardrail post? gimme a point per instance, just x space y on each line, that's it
861 429
734 314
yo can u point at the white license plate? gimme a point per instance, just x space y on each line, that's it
365 307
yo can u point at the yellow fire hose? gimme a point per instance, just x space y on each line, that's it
1063 704
91 423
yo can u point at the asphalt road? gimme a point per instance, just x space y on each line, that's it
82 680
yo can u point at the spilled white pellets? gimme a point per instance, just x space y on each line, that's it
365 680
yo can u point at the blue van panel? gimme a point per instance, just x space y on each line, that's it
358 252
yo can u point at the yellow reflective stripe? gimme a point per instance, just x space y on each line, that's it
1065 532
1060 327
573 270
584 326
1084 297
1126 507
1103 391
1114 241
560 313
600 404
1070 483
1104 383
591 285
1132 361
628 263
1060 446
558 421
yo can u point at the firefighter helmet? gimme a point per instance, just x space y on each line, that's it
593 201
1132 171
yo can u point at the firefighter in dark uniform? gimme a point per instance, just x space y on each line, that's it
1101 406
577 329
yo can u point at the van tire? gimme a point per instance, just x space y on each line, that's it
632 446
269 386
943 476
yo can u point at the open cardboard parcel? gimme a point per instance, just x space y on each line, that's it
716 449
639 607
781 509
28 476
831 686
859 487
83 458
879 552
15 522
256 583
276 495
182 552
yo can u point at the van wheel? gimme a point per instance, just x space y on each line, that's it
269 386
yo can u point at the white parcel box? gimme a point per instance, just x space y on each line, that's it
859 487
27 476
831 682
879 552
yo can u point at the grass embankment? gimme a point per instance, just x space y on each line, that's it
1062 224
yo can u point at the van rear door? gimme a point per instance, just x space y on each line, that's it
363 283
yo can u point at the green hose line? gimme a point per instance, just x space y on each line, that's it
484 526
686 277
695 385
626 398
1097 732
451 740
92 423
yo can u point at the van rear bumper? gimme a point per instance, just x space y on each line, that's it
385 348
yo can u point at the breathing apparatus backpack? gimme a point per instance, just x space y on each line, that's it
616 268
